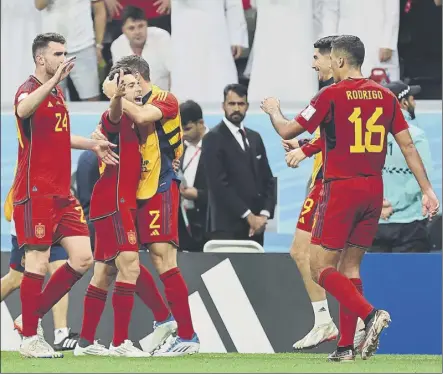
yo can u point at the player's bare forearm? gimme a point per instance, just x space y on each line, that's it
80 142
115 109
286 128
413 159
28 105
142 115
99 10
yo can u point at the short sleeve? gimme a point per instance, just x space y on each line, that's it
399 122
316 112
108 126
313 147
167 103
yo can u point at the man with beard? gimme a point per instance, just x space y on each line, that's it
402 227
241 187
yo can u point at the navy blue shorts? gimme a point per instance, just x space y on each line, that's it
17 260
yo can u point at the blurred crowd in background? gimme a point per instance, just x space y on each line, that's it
196 47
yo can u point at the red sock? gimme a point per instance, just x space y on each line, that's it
345 292
122 302
148 292
94 304
30 290
348 320
177 295
58 286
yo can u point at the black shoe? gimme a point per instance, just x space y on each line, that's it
374 328
68 343
338 355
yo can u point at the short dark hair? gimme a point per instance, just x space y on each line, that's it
41 41
190 111
324 44
237 88
133 12
352 47
136 64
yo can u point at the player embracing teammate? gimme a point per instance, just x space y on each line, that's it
354 115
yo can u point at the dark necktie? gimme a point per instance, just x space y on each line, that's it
245 142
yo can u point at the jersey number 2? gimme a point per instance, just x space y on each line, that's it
365 145
62 122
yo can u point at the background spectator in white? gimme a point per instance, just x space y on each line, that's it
281 54
207 36
20 23
402 226
375 22
151 43
72 19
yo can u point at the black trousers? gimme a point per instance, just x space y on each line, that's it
402 238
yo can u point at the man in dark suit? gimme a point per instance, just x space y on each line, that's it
241 188
193 189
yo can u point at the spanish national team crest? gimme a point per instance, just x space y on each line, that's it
40 231
132 238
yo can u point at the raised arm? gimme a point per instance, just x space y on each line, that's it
142 115
286 128
28 103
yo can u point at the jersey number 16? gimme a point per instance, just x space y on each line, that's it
365 145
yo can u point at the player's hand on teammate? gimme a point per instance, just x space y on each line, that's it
430 204
64 69
103 149
270 105
294 157
290 144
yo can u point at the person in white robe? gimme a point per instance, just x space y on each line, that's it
375 22
20 24
207 36
280 61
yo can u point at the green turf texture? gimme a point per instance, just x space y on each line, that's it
12 362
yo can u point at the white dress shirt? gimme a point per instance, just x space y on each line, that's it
236 132
191 159
157 52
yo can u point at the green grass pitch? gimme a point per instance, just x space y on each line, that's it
12 362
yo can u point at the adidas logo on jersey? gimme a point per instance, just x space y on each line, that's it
155 233
50 105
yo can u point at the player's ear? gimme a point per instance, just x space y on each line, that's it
341 62
40 60
137 75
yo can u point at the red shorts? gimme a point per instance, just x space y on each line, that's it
306 217
114 234
348 213
46 220
157 218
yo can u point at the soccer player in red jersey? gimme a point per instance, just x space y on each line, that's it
45 212
113 212
324 327
355 116
158 196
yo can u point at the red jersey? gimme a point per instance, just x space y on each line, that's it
117 187
44 152
355 116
